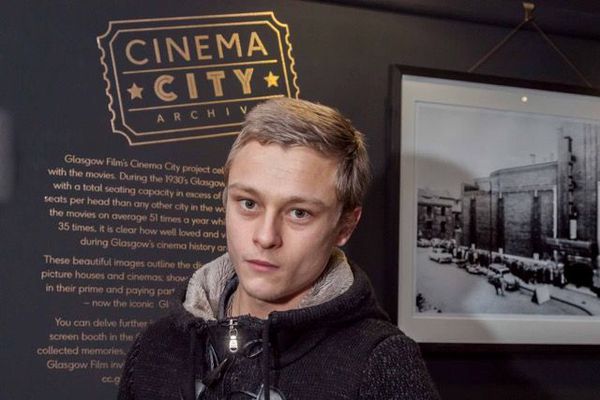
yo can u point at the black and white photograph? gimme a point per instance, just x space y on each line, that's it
514 231
500 197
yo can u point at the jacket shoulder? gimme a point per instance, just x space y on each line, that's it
395 369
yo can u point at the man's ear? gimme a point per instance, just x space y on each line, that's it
348 222
224 198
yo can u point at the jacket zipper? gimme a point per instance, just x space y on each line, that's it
233 336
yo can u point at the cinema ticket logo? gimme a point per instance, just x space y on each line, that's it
173 79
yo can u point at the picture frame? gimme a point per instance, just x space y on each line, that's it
497 188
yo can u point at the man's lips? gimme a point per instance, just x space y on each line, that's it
261 265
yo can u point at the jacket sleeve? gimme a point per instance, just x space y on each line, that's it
126 383
396 370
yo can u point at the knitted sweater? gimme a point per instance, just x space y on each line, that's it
340 347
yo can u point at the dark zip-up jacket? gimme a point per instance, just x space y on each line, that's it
344 348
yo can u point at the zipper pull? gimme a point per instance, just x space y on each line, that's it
233 339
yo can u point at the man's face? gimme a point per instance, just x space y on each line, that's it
282 221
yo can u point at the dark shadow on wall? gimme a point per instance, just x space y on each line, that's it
518 372
7 159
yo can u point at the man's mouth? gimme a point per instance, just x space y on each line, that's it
262 265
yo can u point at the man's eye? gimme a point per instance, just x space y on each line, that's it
299 214
247 204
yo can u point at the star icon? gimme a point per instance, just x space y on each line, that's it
135 91
272 80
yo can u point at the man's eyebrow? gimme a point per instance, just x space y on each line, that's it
304 200
241 186
294 199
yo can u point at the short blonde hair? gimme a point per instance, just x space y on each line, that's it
292 122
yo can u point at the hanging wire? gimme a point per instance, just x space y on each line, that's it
497 47
529 19
561 54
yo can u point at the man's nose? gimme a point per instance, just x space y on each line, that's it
268 231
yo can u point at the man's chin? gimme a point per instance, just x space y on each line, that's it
264 296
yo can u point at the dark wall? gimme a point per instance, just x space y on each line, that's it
342 58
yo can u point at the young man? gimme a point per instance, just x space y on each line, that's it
282 315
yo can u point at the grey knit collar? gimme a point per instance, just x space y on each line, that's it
207 284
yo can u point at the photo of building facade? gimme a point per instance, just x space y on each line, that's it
438 215
546 210
507 205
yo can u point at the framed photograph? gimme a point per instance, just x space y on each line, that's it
499 216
